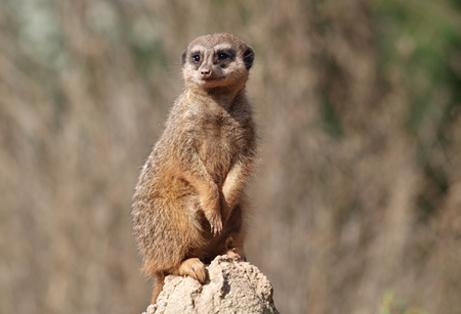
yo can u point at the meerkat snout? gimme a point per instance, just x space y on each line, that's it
217 60
206 73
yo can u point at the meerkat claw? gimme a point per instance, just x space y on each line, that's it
215 221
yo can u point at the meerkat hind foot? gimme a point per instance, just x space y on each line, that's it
194 268
236 254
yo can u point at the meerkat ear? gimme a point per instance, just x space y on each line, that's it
248 57
183 57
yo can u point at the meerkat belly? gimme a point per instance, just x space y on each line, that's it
217 158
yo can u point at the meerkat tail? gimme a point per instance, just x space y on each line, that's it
159 282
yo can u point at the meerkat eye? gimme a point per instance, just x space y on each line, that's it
223 56
227 54
196 57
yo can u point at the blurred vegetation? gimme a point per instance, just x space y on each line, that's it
358 191
391 305
428 42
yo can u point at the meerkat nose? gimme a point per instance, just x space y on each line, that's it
205 72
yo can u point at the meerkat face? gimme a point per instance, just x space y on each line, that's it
217 60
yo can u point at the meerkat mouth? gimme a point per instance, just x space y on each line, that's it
209 79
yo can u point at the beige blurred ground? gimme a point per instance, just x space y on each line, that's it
355 210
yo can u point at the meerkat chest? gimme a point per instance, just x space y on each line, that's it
221 137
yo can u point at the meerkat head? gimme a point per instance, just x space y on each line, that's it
217 60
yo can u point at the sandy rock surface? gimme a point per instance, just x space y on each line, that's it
234 287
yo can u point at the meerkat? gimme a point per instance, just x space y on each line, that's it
189 201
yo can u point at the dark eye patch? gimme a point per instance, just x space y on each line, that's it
225 54
195 57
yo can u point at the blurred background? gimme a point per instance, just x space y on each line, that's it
357 198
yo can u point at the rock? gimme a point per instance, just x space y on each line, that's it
234 287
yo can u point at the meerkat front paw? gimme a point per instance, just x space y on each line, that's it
215 219
194 268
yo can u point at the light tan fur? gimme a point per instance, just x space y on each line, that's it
189 203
